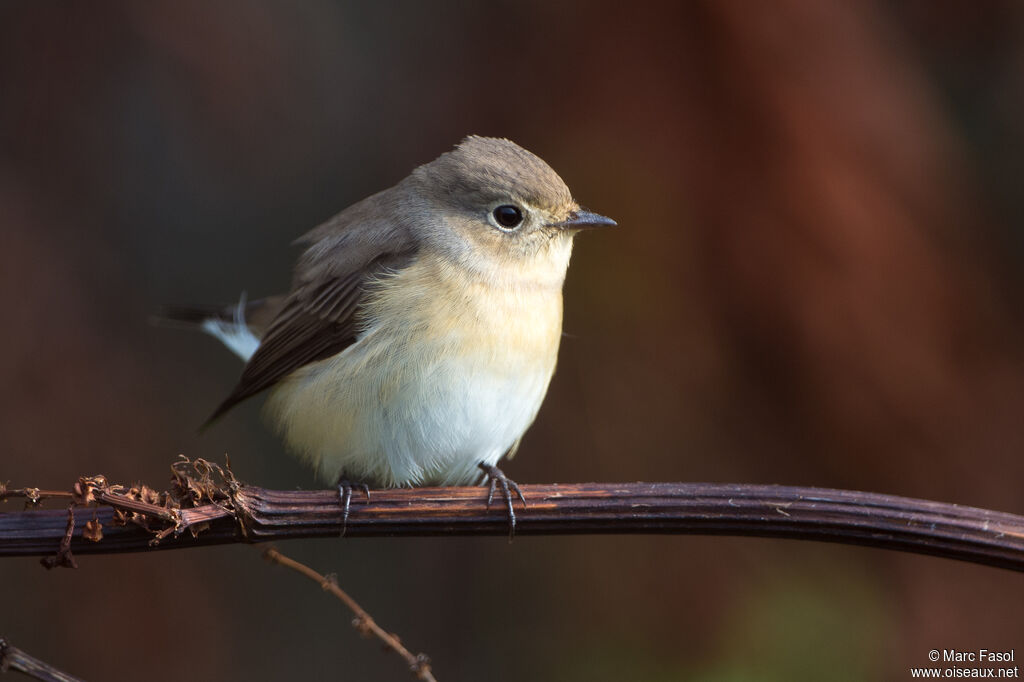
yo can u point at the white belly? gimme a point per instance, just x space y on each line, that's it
432 388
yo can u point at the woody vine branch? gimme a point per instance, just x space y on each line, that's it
210 506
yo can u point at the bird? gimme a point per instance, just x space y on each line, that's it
422 328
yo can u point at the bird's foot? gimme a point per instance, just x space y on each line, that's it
496 477
345 488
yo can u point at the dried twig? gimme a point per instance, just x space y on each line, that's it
12 658
419 664
253 514
63 557
200 492
33 496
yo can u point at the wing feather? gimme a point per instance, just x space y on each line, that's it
317 320
320 317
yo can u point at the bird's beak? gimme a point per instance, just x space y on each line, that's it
582 220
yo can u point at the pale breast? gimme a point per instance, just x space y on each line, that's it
450 372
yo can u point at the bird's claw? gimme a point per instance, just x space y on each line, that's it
345 487
496 477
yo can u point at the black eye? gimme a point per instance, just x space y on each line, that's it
508 216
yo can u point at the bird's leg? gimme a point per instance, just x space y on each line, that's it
345 487
496 477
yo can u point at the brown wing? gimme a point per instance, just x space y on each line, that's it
317 320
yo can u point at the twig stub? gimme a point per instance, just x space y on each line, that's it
12 658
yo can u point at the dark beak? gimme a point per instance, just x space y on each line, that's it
582 220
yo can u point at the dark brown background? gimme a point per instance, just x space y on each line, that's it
816 280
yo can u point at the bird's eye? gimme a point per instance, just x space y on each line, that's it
508 216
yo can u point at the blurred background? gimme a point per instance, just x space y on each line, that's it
817 280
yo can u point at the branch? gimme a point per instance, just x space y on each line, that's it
12 658
419 664
258 515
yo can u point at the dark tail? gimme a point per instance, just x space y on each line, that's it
237 326
256 314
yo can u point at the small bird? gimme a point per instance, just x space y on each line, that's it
422 327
